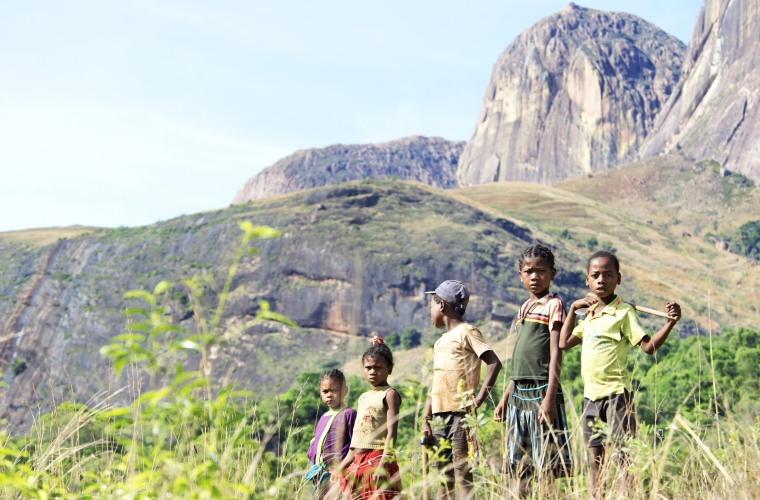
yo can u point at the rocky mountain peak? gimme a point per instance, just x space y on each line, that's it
573 94
713 112
430 160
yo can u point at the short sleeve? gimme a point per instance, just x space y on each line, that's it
578 330
556 311
632 328
474 340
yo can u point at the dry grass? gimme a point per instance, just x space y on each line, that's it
45 236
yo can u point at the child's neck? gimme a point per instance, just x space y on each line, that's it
609 299
384 383
539 295
450 322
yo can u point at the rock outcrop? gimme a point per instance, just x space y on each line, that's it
713 112
574 94
430 160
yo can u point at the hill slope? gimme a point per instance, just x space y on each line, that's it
573 94
430 160
355 260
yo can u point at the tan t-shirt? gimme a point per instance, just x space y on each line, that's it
456 356
371 427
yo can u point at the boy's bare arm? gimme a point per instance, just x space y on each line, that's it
498 412
493 367
548 411
566 338
428 416
651 345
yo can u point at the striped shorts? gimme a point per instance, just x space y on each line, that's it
532 446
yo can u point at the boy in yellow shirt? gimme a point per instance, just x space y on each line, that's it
610 328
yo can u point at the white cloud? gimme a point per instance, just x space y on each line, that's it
66 162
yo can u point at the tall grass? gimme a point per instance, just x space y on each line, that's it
166 434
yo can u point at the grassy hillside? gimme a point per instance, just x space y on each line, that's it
355 259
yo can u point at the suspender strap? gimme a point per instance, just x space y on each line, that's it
323 438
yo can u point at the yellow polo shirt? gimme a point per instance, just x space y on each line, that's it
604 356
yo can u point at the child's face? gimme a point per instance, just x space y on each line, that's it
602 278
376 370
332 392
536 275
436 313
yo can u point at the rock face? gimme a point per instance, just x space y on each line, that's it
574 94
713 112
430 160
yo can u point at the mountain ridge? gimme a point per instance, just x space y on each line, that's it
430 160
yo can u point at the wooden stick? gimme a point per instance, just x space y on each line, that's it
425 492
647 310
653 312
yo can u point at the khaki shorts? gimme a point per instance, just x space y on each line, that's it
617 411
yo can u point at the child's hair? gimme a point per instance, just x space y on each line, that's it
333 374
536 252
605 254
461 308
379 350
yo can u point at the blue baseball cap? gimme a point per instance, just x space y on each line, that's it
454 293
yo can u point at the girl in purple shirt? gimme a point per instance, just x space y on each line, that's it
332 436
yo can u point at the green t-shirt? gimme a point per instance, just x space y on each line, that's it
606 339
532 352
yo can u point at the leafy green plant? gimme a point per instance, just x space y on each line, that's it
592 244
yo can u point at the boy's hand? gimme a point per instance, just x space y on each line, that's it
585 302
674 310
547 413
498 413
426 426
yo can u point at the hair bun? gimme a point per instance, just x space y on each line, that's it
377 340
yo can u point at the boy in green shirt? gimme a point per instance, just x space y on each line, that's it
610 328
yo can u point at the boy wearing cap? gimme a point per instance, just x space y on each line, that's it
456 376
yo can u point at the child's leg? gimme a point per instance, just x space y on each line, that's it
443 460
455 466
621 415
592 412
595 461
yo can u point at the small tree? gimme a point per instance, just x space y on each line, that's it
410 338
393 340
592 244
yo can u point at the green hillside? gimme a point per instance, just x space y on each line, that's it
355 259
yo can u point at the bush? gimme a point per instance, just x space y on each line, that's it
592 244
393 340
411 337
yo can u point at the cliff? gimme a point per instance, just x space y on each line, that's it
430 160
574 94
713 112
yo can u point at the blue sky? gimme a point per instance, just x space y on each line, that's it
126 113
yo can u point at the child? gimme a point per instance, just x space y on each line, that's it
610 327
332 435
373 473
533 403
456 375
